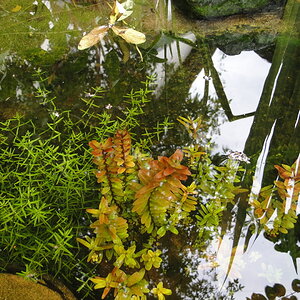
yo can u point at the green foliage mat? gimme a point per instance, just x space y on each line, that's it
51 205
46 183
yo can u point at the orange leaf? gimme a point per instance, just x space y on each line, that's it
168 171
146 219
140 204
121 170
105 292
94 144
283 173
178 155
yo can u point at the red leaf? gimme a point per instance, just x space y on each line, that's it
283 173
177 156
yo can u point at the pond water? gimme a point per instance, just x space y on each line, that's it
242 83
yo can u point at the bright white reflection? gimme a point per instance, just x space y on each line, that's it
253 269
242 78
260 165
51 25
46 45
47 4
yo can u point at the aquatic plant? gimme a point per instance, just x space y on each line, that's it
46 184
39 201
273 208
139 192
46 187
152 197
216 186
160 291
279 201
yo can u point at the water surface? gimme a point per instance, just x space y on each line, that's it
245 86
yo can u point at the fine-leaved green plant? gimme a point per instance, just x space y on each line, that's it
45 183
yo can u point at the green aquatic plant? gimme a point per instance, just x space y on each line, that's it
45 186
216 186
151 259
39 202
273 211
153 186
128 257
154 198
161 193
125 287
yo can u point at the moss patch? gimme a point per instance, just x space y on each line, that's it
14 287
225 8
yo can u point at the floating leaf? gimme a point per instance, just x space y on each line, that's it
16 8
119 12
296 285
270 292
256 296
130 35
93 37
279 289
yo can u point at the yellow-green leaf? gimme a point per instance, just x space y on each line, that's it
135 277
105 190
100 282
173 229
16 8
161 231
130 35
83 242
93 211
121 170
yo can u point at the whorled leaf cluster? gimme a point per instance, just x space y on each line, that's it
136 190
279 201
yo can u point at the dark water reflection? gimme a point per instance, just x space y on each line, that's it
247 93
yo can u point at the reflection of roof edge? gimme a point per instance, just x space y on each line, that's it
173 56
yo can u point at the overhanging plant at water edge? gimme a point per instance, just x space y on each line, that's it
138 193
279 201
275 209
